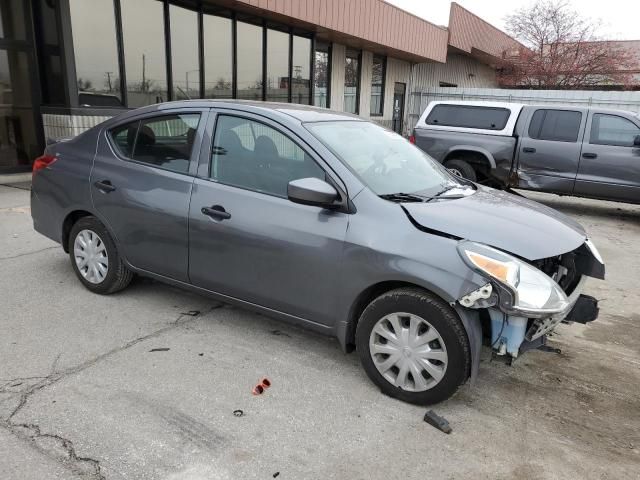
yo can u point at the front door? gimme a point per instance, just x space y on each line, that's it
141 184
398 106
610 163
550 150
247 240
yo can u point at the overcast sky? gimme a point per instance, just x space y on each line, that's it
620 18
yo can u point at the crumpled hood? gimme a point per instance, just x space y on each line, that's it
511 223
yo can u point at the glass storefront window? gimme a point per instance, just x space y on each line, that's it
277 66
351 81
96 53
322 75
144 52
249 64
12 20
218 62
52 86
301 78
377 86
185 61
18 141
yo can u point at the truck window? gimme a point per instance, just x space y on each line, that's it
555 125
612 130
469 116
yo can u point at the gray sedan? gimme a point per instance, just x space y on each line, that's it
321 219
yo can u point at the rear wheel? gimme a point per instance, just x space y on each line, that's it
460 168
413 346
95 259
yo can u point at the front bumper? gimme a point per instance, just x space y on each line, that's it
512 335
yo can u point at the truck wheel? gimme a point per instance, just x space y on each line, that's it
460 168
95 258
413 346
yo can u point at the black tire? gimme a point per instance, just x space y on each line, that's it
442 317
118 275
465 170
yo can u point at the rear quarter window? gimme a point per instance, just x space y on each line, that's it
469 116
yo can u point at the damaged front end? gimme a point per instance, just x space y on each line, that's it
525 301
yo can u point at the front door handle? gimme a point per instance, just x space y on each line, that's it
529 150
589 155
217 212
105 186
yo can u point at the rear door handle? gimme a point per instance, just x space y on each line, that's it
529 150
105 186
217 212
589 155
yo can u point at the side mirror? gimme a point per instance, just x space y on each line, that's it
312 191
636 141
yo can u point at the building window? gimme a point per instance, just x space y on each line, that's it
96 51
301 70
144 52
378 75
249 61
52 86
185 60
277 66
218 61
322 75
352 82
12 20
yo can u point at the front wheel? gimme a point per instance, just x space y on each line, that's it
413 346
95 258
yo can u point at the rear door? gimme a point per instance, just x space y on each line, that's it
141 184
610 163
549 149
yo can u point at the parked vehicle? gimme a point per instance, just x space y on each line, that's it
586 152
321 219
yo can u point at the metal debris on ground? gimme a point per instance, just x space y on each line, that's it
163 349
238 413
435 420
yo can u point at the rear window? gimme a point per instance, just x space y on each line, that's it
469 116
555 125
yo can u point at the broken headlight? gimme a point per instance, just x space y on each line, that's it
524 289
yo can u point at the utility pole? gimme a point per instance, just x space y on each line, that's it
144 73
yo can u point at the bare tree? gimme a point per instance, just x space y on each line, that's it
561 49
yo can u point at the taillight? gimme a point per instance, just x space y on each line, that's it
412 139
42 162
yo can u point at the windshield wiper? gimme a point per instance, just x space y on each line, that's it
447 189
403 197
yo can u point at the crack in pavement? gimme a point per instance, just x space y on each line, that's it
58 447
30 253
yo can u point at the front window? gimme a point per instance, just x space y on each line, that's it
386 162
185 62
613 130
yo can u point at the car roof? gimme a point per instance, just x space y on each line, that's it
302 113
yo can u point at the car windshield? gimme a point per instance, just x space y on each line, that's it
386 162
